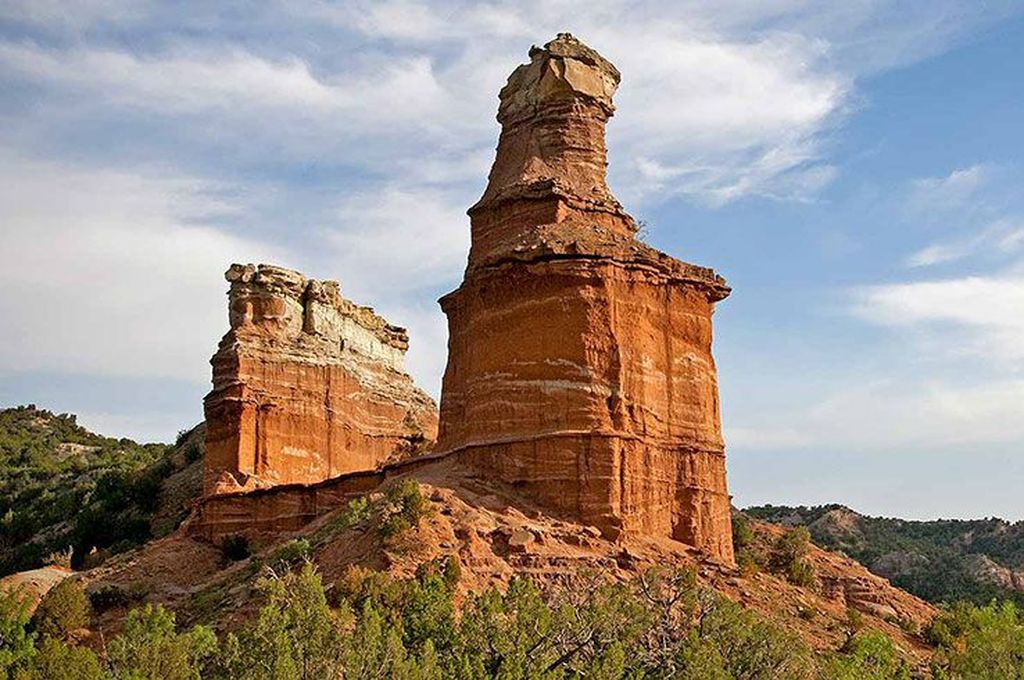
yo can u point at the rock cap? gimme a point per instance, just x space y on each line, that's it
563 70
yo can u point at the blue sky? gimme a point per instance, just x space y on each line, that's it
853 169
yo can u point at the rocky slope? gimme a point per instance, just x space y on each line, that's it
491 530
493 533
940 560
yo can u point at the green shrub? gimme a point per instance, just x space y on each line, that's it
57 660
59 496
112 595
854 619
17 642
297 635
193 452
662 624
62 611
792 545
868 655
978 642
748 562
290 555
402 508
801 573
355 512
789 557
149 647
742 533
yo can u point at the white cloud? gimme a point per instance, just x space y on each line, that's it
930 414
112 273
1003 237
978 315
232 82
120 272
892 416
723 116
396 240
72 14
957 190
718 101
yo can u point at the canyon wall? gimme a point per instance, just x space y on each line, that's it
580 366
306 386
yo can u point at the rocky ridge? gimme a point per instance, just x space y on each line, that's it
939 560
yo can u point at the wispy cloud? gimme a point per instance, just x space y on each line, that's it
892 416
979 315
955 191
1003 237
400 239
113 273
710 109
346 140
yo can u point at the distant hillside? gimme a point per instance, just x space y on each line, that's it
62 486
940 561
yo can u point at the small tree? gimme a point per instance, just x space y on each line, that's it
297 635
17 643
402 508
868 655
979 642
62 611
57 660
742 533
790 556
149 648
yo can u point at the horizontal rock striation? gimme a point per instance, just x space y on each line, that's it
580 366
270 512
306 386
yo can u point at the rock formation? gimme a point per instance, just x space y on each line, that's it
579 366
306 386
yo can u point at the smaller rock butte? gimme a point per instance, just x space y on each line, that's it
306 386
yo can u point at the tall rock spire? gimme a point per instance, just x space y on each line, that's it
580 366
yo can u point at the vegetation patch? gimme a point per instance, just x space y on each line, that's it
61 486
941 561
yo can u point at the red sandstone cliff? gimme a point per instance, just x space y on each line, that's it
580 365
306 386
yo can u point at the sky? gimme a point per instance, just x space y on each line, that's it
853 169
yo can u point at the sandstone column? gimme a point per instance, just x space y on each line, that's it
580 365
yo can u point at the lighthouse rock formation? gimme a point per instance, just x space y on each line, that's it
579 366
306 386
